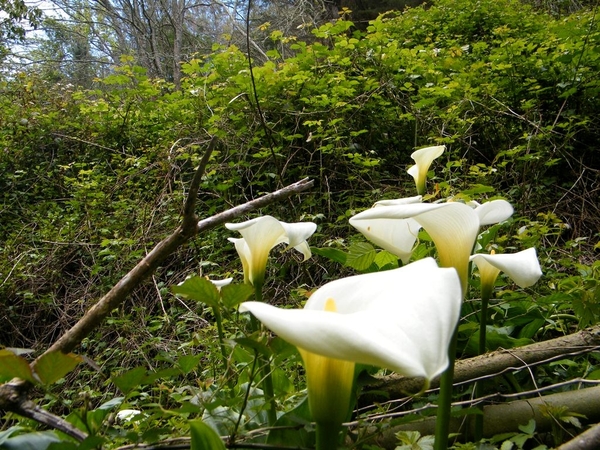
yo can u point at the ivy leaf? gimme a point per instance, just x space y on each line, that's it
199 289
13 366
204 437
234 294
51 367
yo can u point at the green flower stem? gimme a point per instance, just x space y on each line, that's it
442 423
219 321
486 294
327 436
267 381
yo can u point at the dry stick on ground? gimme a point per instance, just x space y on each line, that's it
14 395
491 364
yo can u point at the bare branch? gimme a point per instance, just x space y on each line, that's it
146 267
189 216
13 397
230 214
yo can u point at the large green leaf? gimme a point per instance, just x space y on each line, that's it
360 256
199 289
333 254
13 366
39 440
51 367
204 437
234 294
129 380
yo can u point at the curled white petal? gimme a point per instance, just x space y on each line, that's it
297 234
220 283
493 212
260 235
384 319
423 159
522 267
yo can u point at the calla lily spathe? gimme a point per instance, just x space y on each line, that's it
494 211
260 235
453 227
383 319
396 237
221 283
522 267
423 159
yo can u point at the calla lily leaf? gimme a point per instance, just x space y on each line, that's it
331 253
234 294
199 289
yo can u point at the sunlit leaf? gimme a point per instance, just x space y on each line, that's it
234 294
51 367
361 255
13 366
199 289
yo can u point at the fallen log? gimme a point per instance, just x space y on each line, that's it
488 365
507 417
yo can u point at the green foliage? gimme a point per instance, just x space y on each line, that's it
204 437
16 14
92 179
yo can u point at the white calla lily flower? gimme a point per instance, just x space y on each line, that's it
522 267
452 226
221 283
423 159
492 212
383 319
397 237
260 235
